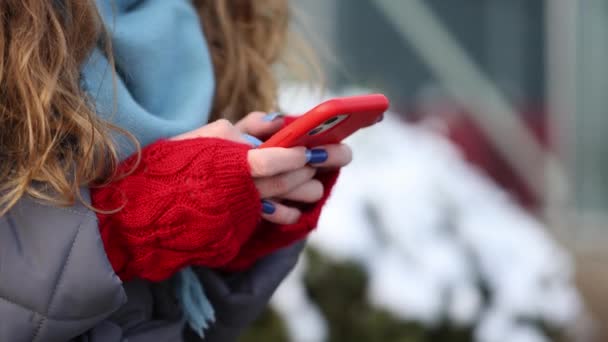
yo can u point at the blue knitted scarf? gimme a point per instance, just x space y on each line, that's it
164 87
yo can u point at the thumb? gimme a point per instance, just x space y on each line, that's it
260 124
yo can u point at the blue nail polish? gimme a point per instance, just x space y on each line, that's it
316 155
252 140
268 207
271 116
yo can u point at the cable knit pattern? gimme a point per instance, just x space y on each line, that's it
188 202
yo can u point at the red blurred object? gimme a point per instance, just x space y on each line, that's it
482 152
331 121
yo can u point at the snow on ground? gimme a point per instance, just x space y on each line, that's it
428 227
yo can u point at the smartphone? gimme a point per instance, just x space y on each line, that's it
331 122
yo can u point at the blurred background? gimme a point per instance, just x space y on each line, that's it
477 211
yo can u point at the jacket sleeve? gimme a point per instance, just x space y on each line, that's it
239 298
55 278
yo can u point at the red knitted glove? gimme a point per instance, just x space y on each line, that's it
188 202
269 237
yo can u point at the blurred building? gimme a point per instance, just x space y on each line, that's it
544 59
504 38
521 86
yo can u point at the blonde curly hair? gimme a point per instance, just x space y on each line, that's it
52 142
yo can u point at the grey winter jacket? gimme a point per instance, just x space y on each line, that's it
56 284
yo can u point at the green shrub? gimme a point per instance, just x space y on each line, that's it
339 291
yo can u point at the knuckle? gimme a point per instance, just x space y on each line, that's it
279 184
224 125
261 166
309 172
216 129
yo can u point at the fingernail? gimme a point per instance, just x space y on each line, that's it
380 118
268 207
252 140
271 116
316 155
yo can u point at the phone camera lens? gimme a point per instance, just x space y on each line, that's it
316 130
331 120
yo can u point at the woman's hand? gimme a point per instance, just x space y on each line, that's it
195 201
297 184
279 173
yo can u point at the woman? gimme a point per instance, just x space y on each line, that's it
101 241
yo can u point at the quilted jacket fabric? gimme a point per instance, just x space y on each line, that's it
56 284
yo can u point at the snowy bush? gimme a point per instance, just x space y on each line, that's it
439 242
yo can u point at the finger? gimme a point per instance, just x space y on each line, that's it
222 129
283 183
279 213
309 192
338 155
272 161
253 141
260 124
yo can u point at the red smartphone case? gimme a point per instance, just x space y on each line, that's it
362 111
